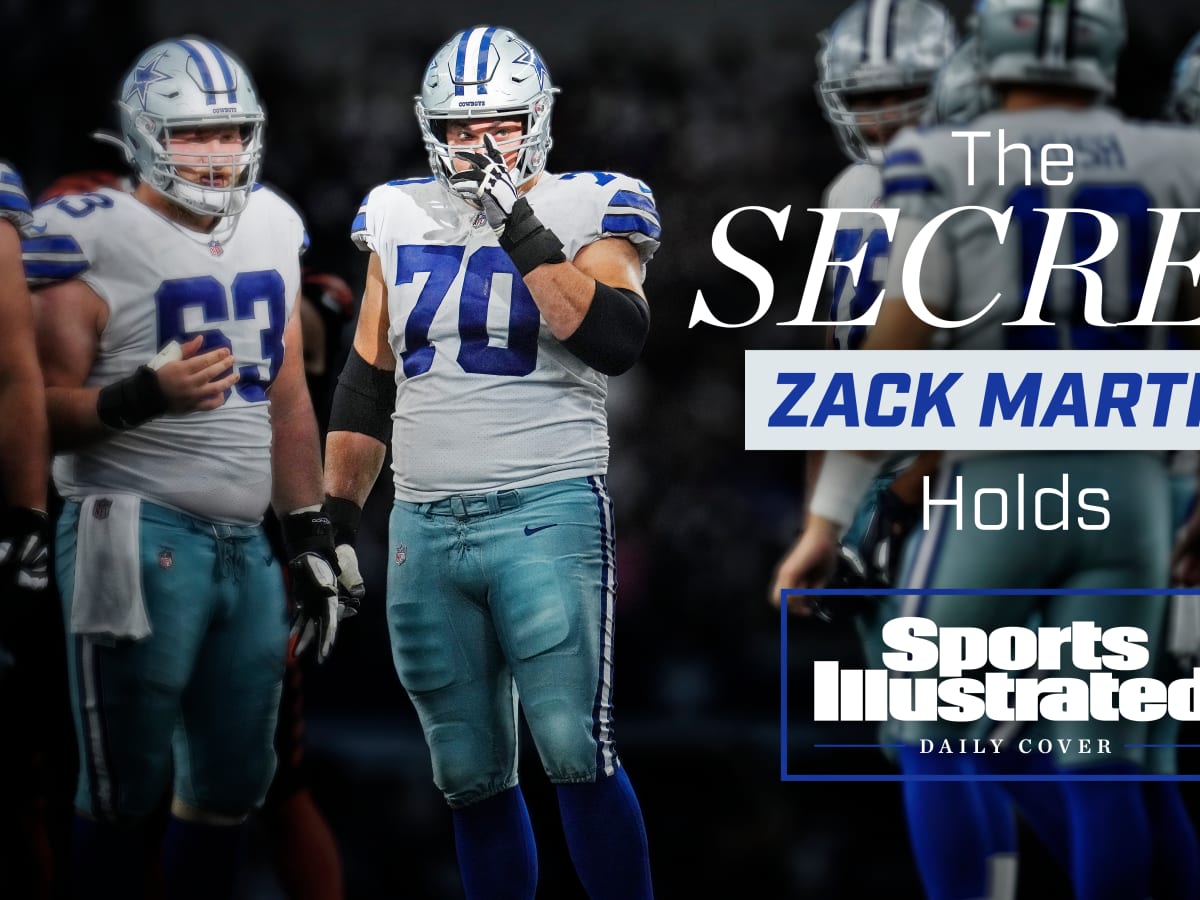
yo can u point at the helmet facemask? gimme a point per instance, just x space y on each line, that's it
863 126
192 193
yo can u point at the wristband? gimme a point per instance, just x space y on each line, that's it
309 530
345 515
527 241
844 480
131 401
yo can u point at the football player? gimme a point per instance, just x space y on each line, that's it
499 300
25 444
1052 66
24 468
172 356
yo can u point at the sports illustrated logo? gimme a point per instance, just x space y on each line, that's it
401 554
101 508
166 559
215 248
1008 674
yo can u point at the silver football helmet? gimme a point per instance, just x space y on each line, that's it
959 92
185 84
877 48
1052 43
1183 103
481 73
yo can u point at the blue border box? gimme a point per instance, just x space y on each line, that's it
785 775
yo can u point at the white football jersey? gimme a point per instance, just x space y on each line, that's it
858 186
1121 168
486 397
162 282
14 204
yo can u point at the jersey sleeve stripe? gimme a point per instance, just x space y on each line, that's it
58 244
14 200
903 158
637 201
360 222
629 224
914 185
38 271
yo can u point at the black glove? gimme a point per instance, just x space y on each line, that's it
314 571
488 184
24 557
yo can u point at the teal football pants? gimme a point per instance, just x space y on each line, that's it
201 692
497 596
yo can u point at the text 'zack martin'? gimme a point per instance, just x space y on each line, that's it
1056 162
947 654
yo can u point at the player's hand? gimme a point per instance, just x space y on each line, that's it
24 557
808 564
197 381
315 594
351 589
487 183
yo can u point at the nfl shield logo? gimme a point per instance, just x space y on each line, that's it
100 510
166 559
215 248
480 220
401 554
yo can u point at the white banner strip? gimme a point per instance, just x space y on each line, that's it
972 400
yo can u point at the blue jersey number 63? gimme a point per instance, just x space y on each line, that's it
208 297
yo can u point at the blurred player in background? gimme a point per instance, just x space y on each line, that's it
502 297
24 528
1050 64
160 371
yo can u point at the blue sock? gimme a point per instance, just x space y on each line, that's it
1111 847
497 856
1041 803
961 831
1176 858
607 838
201 862
106 860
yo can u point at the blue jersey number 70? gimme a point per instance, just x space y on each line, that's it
475 353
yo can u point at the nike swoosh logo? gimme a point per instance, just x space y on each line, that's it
529 531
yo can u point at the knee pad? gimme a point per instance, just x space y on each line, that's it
466 766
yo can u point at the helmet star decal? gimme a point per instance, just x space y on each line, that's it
530 58
146 75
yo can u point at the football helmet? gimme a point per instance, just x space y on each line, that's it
482 73
185 84
1183 103
959 92
1051 43
880 47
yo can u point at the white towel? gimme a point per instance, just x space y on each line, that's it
108 596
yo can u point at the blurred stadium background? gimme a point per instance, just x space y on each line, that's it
713 108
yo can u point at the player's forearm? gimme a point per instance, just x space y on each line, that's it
25 448
73 417
563 296
295 457
352 464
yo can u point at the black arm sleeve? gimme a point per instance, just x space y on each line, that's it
364 400
612 333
